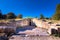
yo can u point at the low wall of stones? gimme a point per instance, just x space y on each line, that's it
40 23
24 22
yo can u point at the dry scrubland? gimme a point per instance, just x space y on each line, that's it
7 20
54 21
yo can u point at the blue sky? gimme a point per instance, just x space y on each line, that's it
31 8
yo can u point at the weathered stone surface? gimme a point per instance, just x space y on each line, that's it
35 38
24 22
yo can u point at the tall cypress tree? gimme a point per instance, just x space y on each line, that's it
56 16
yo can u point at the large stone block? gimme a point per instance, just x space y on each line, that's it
24 22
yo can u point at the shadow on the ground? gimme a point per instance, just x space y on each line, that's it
25 28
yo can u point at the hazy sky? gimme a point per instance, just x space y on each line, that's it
29 7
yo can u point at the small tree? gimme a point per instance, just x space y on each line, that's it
11 15
47 18
41 16
19 16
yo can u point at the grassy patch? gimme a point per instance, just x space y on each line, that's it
56 35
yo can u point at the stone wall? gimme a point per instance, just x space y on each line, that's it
8 25
40 23
24 22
